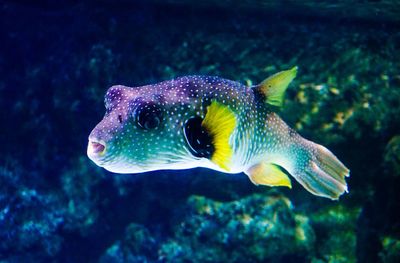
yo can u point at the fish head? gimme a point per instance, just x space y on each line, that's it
142 130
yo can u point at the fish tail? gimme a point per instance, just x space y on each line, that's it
318 170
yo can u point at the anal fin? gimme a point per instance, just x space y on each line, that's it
268 174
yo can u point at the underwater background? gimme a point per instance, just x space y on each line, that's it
58 58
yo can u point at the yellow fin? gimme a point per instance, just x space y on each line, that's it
268 174
220 122
274 87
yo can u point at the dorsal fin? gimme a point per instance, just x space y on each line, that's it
274 87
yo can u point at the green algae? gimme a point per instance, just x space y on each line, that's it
335 228
391 250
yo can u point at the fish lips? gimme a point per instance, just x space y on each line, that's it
96 151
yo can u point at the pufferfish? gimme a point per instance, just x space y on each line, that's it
206 121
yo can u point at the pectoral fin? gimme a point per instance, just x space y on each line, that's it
220 123
268 174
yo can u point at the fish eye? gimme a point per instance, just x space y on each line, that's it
148 116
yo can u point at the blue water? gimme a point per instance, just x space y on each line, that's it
58 59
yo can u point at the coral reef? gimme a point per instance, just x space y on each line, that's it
257 228
137 246
335 228
29 218
390 252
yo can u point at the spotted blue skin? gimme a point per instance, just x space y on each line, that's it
260 135
133 149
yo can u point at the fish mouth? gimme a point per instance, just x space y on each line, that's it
96 148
